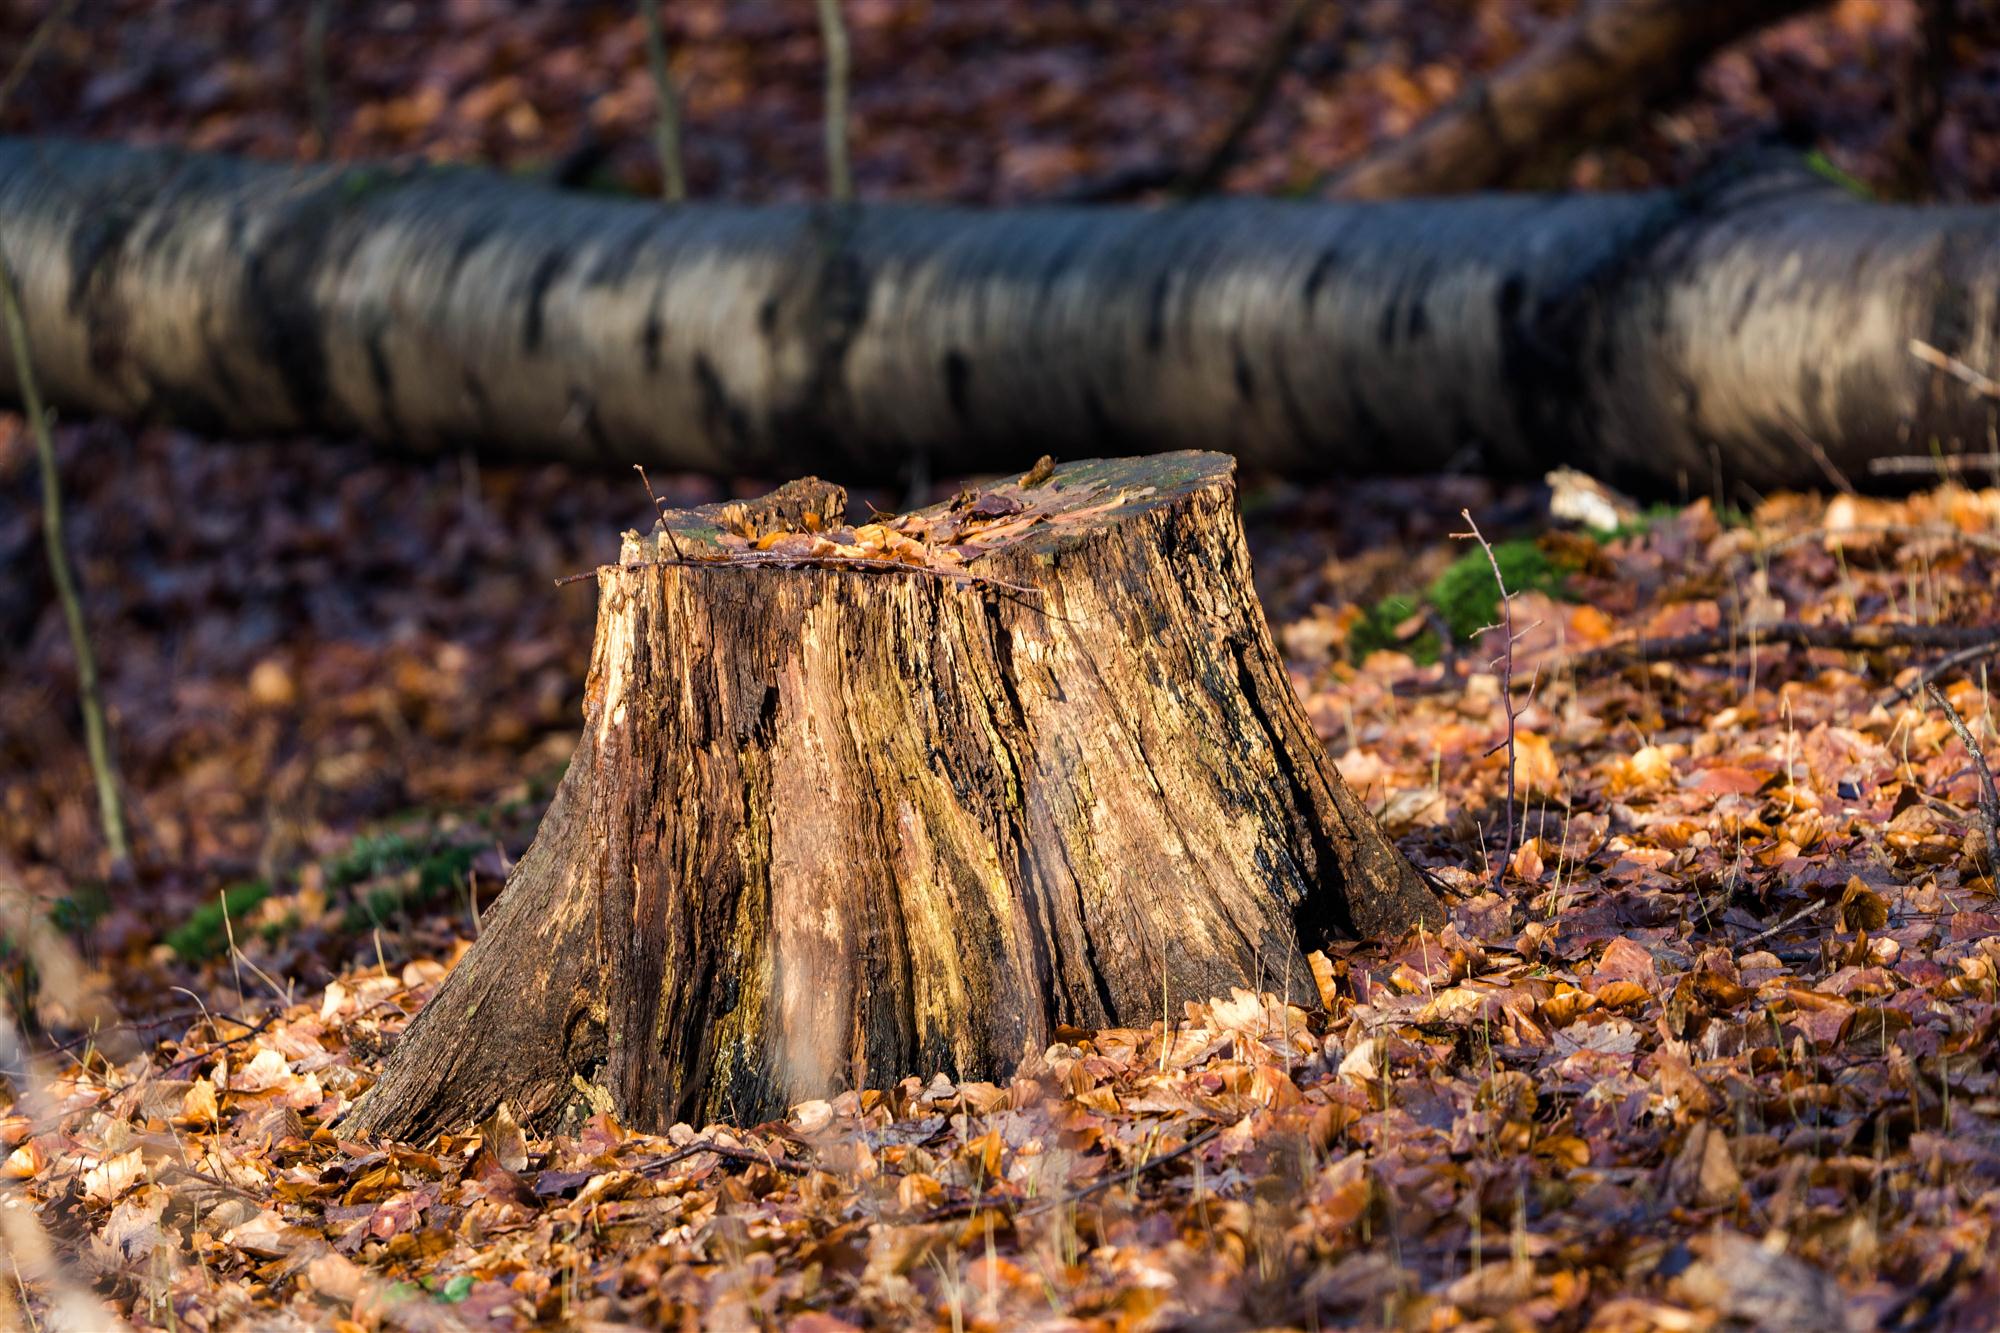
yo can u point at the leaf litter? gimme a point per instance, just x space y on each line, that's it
1717 1051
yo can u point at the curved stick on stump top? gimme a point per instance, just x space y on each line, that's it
833 821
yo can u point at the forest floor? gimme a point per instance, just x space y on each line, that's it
1713 1042
1708 1039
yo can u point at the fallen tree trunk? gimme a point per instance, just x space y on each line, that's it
1756 327
1600 68
836 820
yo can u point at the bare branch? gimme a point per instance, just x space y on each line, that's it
1780 927
1989 796
111 809
33 50
839 181
110 806
1794 633
1278 57
667 126
1965 656
1506 663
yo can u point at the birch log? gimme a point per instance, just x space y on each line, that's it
1758 327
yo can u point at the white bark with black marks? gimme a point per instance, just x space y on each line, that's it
1656 338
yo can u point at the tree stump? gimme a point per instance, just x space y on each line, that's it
851 805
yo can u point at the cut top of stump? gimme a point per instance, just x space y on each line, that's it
1044 511
1112 569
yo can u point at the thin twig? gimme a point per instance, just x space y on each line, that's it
166 1071
1783 925
1506 686
667 121
665 527
134 1026
33 50
1105 1182
833 32
1817 452
110 807
249 1030
1904 465
1123 1177
1190 180
1950 662
1905 532
744 1155
1980 384
1796 634
1989 796
175 1171
1278 56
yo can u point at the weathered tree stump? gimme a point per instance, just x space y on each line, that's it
836 820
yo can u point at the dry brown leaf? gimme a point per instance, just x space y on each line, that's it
1324 981
1704 1171
1561 1009
505 1139
1648 769
1536 772
1623 996
1861 908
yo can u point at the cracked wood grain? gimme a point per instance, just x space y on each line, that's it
829 827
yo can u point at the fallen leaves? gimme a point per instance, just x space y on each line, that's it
1758 1283
1497 1130
1740 973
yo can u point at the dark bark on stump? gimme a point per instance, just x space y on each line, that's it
829 827
1661 340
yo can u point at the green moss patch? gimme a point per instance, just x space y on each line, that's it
1463 600
206 933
